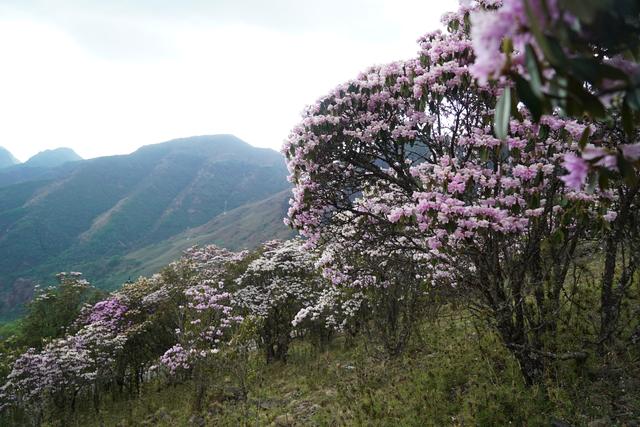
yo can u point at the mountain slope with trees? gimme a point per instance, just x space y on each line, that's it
97 211
244 227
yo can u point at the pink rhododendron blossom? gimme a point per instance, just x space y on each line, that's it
175 359
630 151
578 169
610 216
488 29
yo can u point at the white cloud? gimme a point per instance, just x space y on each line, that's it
108 77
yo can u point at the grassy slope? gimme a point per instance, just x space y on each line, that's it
245 227
451 375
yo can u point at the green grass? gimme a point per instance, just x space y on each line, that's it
453 373
9 328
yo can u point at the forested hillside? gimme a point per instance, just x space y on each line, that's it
89 215
245 227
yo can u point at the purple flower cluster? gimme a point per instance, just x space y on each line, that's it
110 312
493 22
72 363
176 359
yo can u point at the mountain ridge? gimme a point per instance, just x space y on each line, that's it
7 159
53 157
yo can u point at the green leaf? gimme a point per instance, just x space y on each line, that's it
507 46
528 97
592 71
603 179
610 72
504 151
535 77
543 133
585 69
534 203
484 154
558 86
536 30
584 137
555 53
592 105
558 237
550 47
531 145
627 170
551 150
585 10
502 114
564 202
582 101
633 98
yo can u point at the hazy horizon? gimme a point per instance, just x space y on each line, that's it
105 78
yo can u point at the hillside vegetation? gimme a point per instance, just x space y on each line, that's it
156 364
92 215
245 227
452 374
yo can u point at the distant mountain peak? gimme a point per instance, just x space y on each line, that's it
52 158
227 140
6 158
221 147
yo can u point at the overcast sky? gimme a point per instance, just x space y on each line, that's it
108 76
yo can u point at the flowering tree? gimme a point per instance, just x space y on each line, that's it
336 309
53 309
113 342
385 286
274 288
77 363
151 318
206 316
579 58
409 150
53 376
